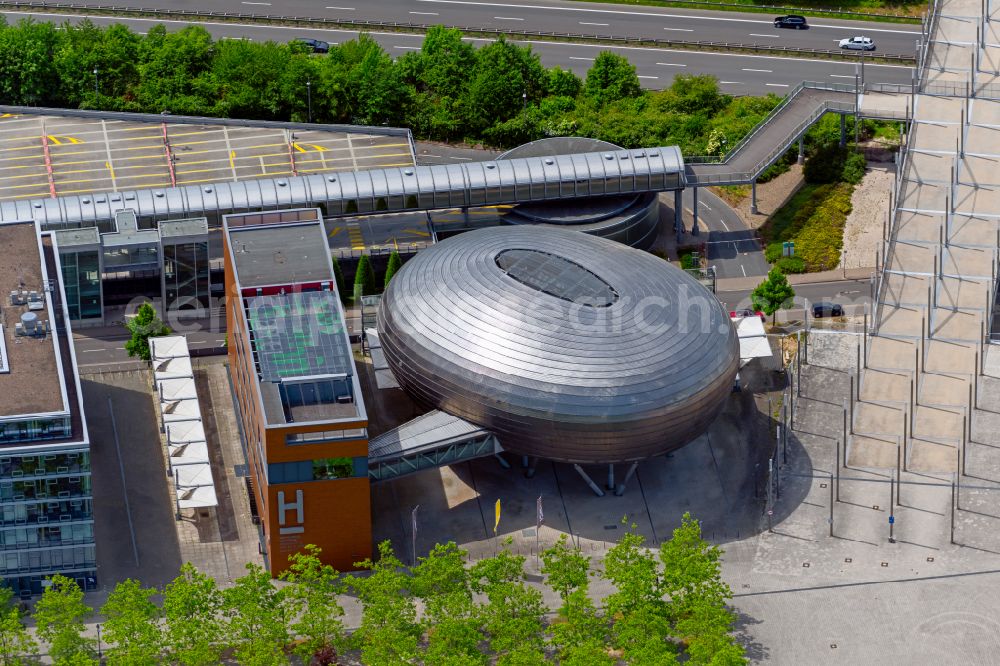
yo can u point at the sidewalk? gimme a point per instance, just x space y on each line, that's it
748 283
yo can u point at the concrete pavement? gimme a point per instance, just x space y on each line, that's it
578 18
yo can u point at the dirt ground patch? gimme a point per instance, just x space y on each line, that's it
869 203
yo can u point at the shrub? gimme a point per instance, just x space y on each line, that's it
791 265
854 168
826 164
772 253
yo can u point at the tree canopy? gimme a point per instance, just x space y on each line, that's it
143 326
772 294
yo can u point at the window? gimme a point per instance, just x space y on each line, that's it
326 436
322 469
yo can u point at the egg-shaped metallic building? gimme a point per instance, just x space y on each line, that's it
568 346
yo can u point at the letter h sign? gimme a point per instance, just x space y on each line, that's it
283 507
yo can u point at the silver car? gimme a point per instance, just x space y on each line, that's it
858 44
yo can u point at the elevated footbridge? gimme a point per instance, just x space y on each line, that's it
789 122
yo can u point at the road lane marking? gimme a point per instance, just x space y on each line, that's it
754 34
767 71
266 4
579 58
744 270
734 83
842 76
343 9
425 13
49 15
777 85
647 77
670 64
407 48
508 18
657 14
723 223
680 29
600 24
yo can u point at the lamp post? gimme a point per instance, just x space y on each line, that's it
309 97
100 655
96 87
524 101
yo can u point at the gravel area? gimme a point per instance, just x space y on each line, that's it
869 203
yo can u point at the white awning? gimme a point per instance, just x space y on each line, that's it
185 431
189 453
170 346
180 410
753 339
178 388
172 368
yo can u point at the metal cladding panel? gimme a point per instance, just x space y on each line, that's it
637 374
515 180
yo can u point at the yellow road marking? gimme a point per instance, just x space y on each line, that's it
416 232
58 139
232 154
8 115
111 169
299 148
335 231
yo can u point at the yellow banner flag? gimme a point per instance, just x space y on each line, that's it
496 524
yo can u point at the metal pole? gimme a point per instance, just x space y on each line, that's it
770 505
836 467
309 97
802 151
611 477
831 505
753 196
953 507
97 90
965 425
892 507
852 406
694 227
958 479
899 474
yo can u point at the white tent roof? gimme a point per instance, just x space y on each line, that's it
197 498
193 476
172 368
179 388
753 339
188 453
180 410
171 346
185 431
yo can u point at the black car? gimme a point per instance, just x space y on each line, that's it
316 45
825 309
793 21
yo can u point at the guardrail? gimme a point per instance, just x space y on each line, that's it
755 7
424 27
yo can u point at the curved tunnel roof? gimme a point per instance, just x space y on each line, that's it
568 346
387 190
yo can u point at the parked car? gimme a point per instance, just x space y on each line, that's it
827 309
317 46
793 21
858 44
746 312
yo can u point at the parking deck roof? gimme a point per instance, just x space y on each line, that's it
45 154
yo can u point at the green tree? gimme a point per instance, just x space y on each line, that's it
441 581
113 51
507 78
692 580
389 633
131 625
395 263
143 326
338 275
312 600
17 647
171 65
772 294
364 278
256 625
59 616
512 614
563 83
27 74
611 78
581 634
192 608
641 626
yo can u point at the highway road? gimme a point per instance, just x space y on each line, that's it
571 17
738 74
